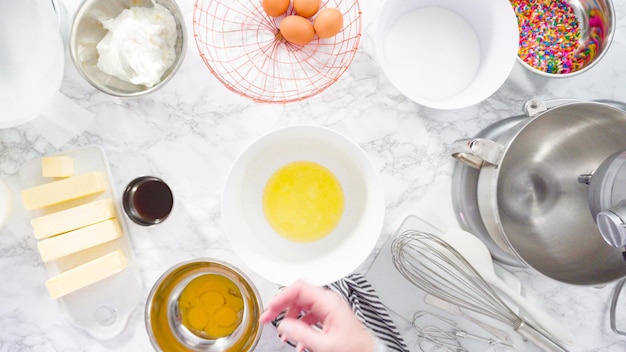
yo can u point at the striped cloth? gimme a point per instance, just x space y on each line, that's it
368 309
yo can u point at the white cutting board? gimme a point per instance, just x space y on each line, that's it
404 299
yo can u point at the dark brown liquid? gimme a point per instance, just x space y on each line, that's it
153 200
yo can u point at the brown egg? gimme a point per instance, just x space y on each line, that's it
328 22
297 30
275 8
306 8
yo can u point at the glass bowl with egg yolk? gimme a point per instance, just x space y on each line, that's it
210 306
203 305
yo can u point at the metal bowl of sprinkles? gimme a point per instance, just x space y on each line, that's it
563 38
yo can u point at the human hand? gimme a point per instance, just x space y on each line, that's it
340 329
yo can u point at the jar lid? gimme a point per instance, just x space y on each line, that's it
148 200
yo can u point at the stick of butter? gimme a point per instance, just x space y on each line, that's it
63 190
72 218
78 240
86 274
57 166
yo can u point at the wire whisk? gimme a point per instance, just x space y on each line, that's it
444 335
434 266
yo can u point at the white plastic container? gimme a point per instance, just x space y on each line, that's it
495 26
102 308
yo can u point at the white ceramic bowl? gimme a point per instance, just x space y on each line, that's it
495 24
278 259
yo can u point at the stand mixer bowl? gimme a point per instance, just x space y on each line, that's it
528 191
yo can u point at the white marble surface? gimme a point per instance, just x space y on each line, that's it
190 132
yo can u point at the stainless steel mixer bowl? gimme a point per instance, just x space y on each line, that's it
530 198
87 31
544 211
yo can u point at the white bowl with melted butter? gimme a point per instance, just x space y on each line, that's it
303 202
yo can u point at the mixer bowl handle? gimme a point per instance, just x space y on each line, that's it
477 152
534 107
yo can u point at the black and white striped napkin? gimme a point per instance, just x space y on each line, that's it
368 309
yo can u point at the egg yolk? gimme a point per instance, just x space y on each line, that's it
211 306
303 201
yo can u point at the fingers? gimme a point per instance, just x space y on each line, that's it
298 297
271 312
311 319
301 333
327 322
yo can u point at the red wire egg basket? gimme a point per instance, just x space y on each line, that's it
240 45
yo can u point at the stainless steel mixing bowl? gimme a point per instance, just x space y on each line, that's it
87 31
590 14
529 196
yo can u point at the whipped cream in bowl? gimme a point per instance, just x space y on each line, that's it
128 49
140 45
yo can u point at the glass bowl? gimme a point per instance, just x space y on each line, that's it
163 319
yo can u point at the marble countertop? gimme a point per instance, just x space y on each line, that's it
191 131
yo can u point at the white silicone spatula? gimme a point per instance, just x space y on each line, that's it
477 254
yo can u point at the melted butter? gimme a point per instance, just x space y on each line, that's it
303 201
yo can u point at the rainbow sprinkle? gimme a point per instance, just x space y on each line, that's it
550 36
